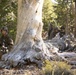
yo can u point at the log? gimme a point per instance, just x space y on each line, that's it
67 54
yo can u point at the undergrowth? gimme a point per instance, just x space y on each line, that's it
57 68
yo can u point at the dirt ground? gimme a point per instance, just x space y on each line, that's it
18 72
32 70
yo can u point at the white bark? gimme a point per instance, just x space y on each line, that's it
29 19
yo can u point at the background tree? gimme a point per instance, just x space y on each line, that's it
65 16
48 13
75 18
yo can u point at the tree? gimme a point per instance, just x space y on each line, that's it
29 44
60 10
75 19
65 16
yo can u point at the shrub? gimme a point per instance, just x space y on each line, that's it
57 68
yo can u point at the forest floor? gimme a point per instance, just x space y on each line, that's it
29 70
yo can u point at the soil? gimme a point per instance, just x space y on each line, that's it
29 70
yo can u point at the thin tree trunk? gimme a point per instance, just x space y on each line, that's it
67 23
75 20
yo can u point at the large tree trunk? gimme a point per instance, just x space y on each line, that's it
29 44
29 19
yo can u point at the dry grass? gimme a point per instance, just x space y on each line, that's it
57 68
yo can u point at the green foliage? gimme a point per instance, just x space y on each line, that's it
57 68
63 10
48 14
8 15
